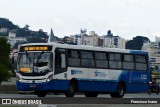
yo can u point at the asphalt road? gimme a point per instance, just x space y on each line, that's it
137 95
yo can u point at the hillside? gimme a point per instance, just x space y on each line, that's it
6 23
21 32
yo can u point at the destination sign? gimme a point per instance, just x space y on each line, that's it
44 48
36 48
26 70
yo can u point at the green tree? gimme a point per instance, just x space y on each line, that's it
5 64
136 43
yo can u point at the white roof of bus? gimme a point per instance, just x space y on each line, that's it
83 47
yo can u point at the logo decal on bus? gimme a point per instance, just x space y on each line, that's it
73 72
143 76
100 74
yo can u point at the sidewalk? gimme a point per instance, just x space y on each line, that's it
8 87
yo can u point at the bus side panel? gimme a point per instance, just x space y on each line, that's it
61 85
138 81
97 86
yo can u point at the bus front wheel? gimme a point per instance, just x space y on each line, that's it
71 90
120 91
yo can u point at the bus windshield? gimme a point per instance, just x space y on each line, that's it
35 62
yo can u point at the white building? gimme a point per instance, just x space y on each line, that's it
88 40
92 39
12 39
114 42
3 30
108 42
121 43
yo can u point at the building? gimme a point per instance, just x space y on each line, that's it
154 53
12 39
3 30
100 42
111 41
68 40
93 39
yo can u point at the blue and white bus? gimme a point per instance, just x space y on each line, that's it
51 67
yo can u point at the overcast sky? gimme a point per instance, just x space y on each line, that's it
126 18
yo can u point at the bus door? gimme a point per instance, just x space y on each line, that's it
60 62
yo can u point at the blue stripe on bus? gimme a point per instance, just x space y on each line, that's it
52 85
138 52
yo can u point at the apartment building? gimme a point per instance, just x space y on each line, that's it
93 39
154 53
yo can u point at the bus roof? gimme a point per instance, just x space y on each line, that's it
85 47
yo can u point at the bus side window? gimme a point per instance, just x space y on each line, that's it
63 61
60 60
57 60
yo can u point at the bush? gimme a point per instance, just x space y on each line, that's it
4 73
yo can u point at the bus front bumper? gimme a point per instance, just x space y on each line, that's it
46 86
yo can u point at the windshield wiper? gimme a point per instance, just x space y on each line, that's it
28 57
39 56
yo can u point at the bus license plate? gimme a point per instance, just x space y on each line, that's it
33 86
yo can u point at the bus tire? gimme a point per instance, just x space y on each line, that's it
40 93
120 91
71 90
91 94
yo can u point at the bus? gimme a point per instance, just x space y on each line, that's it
52 67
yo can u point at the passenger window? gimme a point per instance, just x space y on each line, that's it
73 57
115 61
128 62
141 62
87 59
101 60
140 58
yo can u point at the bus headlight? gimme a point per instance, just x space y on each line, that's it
18 78
49 78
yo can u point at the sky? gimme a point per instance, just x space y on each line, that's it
126 18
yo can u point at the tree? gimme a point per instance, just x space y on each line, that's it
5 64
26 27
136 43
7 24
36 40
